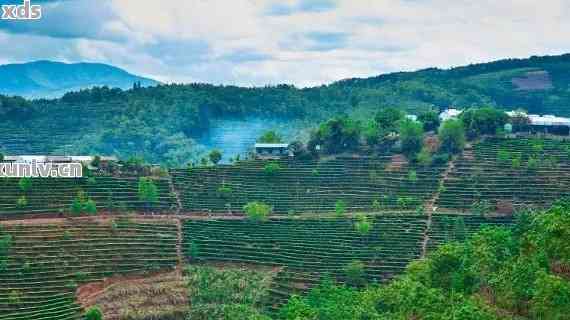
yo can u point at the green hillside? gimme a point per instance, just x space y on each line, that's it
161 123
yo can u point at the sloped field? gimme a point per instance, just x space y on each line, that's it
47 262
307 186
509 173
53 195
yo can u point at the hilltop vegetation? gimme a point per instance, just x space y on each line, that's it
161 123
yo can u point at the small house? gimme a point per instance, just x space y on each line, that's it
272 150
449 114
546 124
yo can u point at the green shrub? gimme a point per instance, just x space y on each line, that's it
257 211
412 176
355 273
440 158
94 313
224 192
363 225
90 207
340 207
193 251
532 163
272 168
376 206
25 184
516 162
147 191
503 157
22 202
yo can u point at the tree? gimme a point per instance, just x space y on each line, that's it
451 136
336 135
215 156
147 191
270 137
484 120
411 134
387 119
257 211
94 313
430 120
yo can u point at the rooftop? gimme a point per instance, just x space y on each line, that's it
272 145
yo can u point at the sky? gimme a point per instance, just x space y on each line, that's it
299 42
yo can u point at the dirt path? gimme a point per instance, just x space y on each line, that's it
176 194
430 204
179 239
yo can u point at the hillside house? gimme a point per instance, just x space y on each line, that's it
272 150
544 124
449 114
57 159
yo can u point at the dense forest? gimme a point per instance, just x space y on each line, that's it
161 124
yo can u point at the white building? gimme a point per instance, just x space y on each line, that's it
272 150
449 114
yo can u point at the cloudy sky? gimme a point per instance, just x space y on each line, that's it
301 42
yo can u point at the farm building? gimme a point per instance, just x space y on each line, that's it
56 159
547 124
272 150
449 114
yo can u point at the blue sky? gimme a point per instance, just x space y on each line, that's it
301 42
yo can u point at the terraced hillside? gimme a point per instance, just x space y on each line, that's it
52 195
308 186
509 173
46 262
306 249
447 227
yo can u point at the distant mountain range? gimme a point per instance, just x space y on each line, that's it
48 79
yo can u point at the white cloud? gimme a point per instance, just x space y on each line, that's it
256 42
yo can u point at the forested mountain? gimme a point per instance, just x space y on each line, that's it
48 79
160 123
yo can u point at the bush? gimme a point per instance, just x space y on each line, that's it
271 169
340 207
94 313
363 226
440 159
532 164
25 184
503 157
257 211
355 273
424 158
22 202
147 191
412 176
90 207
